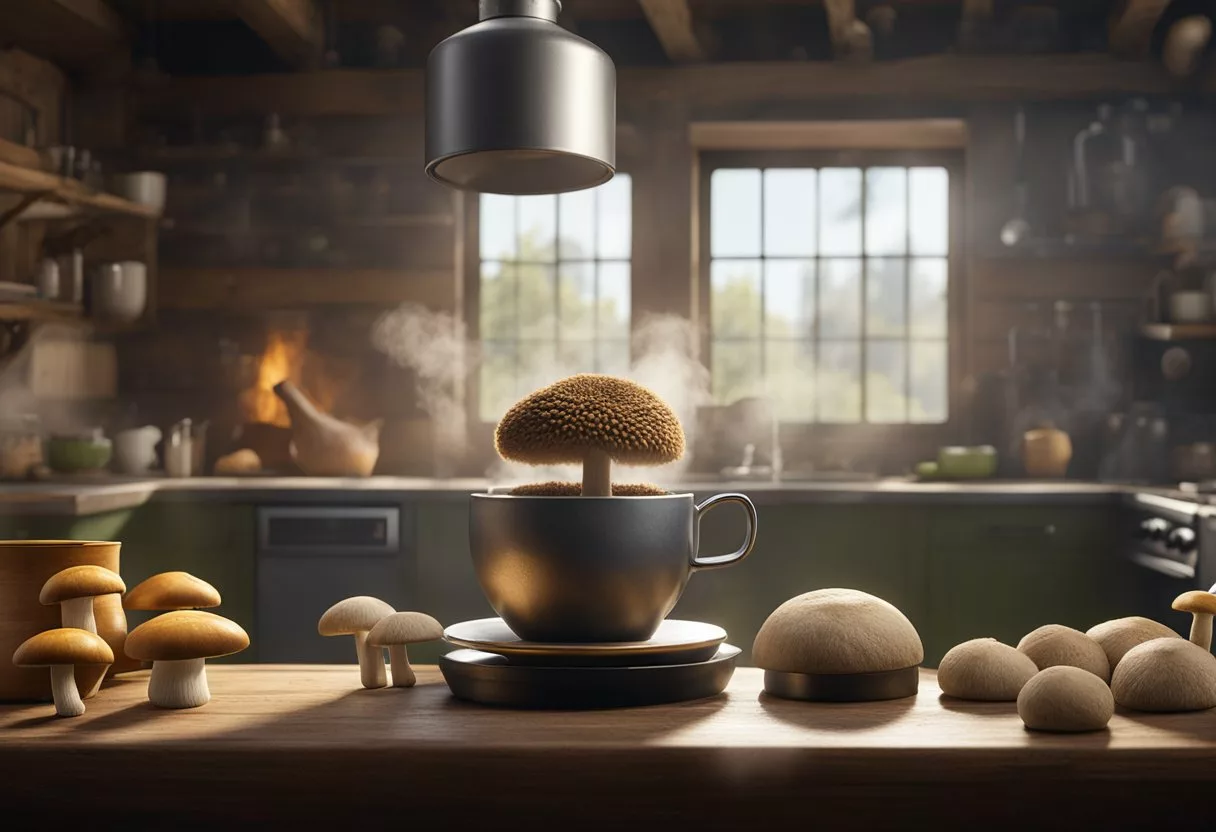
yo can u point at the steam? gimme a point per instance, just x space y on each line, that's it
434 345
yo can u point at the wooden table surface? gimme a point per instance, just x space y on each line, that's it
306 743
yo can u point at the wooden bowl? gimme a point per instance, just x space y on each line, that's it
25 565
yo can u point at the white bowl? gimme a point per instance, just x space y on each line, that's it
1190 307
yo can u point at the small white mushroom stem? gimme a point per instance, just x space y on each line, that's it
63 688
78 612
403 674
1201 630
179 684
371 662
597 473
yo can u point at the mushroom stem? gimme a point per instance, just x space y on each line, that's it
179 684
78 613
1201 630
403 674
371 662
63 688
597 473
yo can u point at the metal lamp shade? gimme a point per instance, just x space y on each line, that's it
515 104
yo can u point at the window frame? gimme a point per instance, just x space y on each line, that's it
469 302
819 433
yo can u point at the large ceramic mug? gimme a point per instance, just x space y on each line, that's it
591 569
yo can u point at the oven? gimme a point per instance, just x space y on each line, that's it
1172 541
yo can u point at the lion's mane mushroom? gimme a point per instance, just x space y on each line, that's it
984 669
178 644
355 617
1119 635
74 589
594 420
395 632
1201 605
61 650
1053 645
1166 674
172 591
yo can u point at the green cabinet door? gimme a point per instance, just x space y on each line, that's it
874 548
1003 571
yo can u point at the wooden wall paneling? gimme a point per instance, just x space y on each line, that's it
293 28
251 290
38 84
1022 279
71 32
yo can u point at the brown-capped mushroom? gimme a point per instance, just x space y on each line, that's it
1166 674
594 420
1053 645
178 644
74 589
574 489
1119 635
172 591
61 650
355 617
1064 698
1201 605
984 669
395 632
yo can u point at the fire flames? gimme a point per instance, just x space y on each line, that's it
282 359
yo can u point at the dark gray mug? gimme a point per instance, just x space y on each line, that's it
591 569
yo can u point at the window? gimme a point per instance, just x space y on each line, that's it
554 289
828 289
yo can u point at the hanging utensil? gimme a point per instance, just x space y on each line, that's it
1017 229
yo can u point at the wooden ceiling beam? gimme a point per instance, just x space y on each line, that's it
74 33
292 28
1131 27
672 23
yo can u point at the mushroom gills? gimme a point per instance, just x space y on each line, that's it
63 689
78 612
179 684
371 662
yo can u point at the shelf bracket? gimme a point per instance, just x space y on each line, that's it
16 211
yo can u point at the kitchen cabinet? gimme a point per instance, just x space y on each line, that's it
1003 571
447 586
874 548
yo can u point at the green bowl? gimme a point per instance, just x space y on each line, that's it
69 455
957 462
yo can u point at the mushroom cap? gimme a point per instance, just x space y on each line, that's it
575 489
560 423
86 581
831 631
1196 601
1053 645
984 669
404 628
171 591
65 645
1065 698
1119 635
1166 674
353 615
185 634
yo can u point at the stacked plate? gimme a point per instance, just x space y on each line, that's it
683 660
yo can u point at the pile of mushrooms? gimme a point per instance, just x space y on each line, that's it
376 625
592 420
74 590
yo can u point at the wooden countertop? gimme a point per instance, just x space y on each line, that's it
305 743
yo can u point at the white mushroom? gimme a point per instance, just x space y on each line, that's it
61 650
355 617
395 632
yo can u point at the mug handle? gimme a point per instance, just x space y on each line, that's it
714 561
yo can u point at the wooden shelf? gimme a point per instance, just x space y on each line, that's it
387 221
61 198
201 154
44 311
256 289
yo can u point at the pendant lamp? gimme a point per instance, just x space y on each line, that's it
515 104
